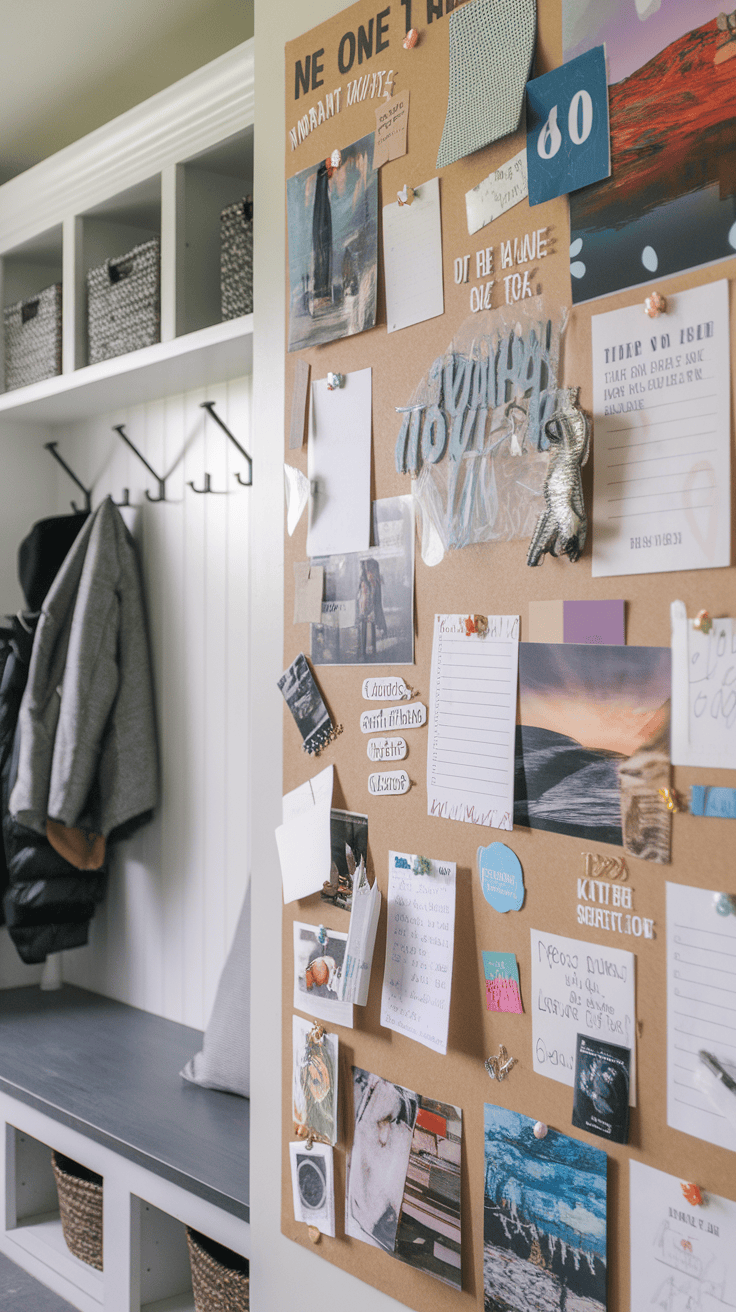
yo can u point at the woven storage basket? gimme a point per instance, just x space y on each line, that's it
80 1206
220 1279
33 338
123 303
236 259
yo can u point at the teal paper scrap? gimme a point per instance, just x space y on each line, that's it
713 801
491 50
503 990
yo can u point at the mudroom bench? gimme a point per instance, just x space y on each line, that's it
99 1082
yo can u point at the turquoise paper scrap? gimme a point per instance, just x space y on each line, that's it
713 801
491 49
503 991
568 138
501 877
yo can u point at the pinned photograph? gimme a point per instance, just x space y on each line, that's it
592 748
314 1081
368 606
319 959
403 1181
304 700
544 1230
385 1115
349 839
332 215
429 1233
601 1099
313 1185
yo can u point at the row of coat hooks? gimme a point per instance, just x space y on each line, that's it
209 406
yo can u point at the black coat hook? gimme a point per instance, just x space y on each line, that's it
210 407
51 446
125 499
201 490
119 428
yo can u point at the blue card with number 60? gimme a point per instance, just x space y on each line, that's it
568 143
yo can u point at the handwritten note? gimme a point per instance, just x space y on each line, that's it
701 1009
579 988
470 758
412 257
662 400
417 979
497 193
703 692
392 119
682 1256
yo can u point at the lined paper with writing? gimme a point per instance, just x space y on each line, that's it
662 435
701 1009
470 758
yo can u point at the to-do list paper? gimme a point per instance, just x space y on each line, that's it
417 977
470 757
661 394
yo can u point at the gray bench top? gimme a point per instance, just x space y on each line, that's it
111 1072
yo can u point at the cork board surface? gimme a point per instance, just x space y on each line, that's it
491 578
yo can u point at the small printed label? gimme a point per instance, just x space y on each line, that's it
391 781
385 690
394 717
501 877
386 749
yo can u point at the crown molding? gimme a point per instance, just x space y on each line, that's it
202 109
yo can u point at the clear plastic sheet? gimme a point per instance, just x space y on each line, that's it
472 435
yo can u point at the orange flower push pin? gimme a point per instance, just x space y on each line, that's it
655 305
410 39
703 621
692 1194
671 799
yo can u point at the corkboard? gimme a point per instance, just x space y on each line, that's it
486 579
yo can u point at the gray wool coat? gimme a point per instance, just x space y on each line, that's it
87 752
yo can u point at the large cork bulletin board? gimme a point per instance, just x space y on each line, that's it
490 579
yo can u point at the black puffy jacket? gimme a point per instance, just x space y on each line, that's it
47 903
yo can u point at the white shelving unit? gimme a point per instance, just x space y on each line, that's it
166 168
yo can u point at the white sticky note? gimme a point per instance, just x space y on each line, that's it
296 490
703 692
497 193
303 840
420 939
662 422
580 988
412 258
339 466
701 1010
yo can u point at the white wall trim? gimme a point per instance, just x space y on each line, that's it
202 109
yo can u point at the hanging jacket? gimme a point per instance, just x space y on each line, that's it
87 756
27 861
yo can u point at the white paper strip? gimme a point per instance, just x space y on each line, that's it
390 782
394 717
499 192
385 690
386 749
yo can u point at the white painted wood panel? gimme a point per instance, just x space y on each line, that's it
175 890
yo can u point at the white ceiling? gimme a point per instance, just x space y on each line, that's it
67 66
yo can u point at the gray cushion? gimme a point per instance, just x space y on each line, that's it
224 1062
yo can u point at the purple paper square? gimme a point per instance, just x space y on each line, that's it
595 622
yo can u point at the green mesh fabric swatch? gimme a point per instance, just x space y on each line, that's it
491 49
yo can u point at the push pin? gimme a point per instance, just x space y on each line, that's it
410 39
335 159
540 1130
655 305
703 621
476 624
334 381
692 1194
406 195
724 904
422 865
672 800
322 936
314 1233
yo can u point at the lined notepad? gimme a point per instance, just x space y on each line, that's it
470 756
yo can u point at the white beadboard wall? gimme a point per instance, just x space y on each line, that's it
160 939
